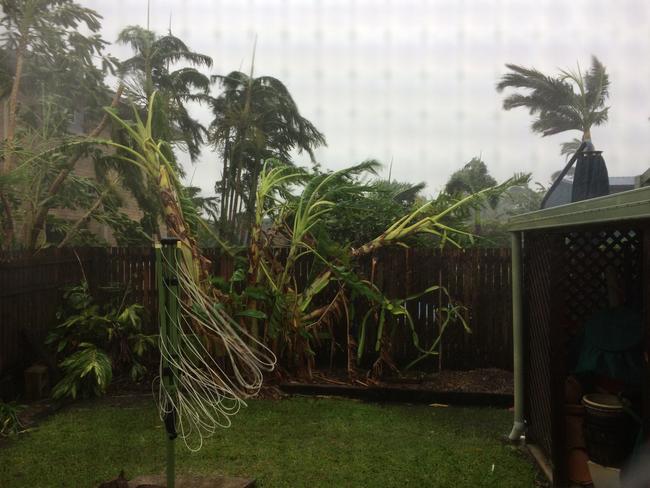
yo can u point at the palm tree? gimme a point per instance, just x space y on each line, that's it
150 69
572 100
166 66
254 119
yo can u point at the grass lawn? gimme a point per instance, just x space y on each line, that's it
297 442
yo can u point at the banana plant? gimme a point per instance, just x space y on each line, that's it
293 318
298 315
209 340
420 221
389 310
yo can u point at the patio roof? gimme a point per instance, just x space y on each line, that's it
627 205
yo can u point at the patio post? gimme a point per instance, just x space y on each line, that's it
519 426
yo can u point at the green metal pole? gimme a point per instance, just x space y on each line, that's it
168 292
519 426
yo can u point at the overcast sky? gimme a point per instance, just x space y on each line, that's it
413 81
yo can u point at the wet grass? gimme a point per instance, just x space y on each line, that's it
297 442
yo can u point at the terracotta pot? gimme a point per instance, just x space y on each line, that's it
578 467
577 457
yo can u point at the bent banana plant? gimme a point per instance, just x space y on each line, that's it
217 364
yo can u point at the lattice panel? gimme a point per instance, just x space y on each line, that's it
537 276
586 256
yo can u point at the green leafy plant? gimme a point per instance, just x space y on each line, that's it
9 421
300 316
87 372
97 340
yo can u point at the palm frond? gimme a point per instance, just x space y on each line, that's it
572 100
596 84
569 148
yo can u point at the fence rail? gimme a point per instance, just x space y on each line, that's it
31 293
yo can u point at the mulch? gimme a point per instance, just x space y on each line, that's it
488 380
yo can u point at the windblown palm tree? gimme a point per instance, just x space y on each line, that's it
166 66
572 100
151 69
254 119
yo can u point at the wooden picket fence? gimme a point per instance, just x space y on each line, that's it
479 279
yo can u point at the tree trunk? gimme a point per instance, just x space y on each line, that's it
13 105
75 228
9 157
7 222
235 200
252 194
224 187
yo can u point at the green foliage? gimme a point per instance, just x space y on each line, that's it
301 315
46 155
490 222
9 421
60 45
87 372
473 177
150 69
96 340
363 214
51 48
255 119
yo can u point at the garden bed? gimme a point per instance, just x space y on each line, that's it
488 380
481 387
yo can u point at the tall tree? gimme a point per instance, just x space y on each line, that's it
255 118
46 31
471 178
165 64
571 100
42 38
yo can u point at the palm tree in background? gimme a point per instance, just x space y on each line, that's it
165 65
255 118
155 66
572 100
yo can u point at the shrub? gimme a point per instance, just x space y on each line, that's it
98 340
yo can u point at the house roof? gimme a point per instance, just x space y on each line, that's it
625 205
622 181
